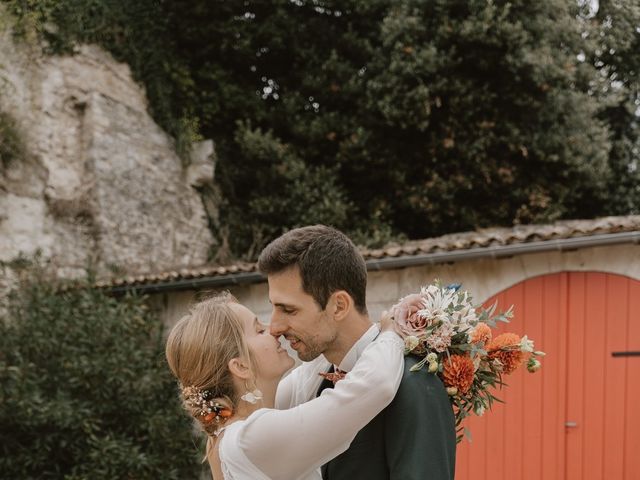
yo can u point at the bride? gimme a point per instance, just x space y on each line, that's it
228 367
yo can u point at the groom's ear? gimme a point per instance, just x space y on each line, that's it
239 368
342 304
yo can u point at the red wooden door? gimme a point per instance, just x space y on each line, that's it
577 417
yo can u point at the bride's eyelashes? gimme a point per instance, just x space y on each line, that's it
259 326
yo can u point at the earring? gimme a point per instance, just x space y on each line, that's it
252 397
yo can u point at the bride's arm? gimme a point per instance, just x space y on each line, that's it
287 443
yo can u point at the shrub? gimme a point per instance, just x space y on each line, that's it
85 391
11 146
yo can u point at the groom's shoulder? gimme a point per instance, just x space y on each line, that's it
420 392
420 381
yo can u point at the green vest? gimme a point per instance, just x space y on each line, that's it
414 438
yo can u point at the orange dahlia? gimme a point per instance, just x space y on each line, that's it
481 334
506 348
458 372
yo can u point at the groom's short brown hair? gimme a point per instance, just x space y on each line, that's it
327 259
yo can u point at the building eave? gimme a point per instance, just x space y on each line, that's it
402 261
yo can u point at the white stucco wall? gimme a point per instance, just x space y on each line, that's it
482 278
487 277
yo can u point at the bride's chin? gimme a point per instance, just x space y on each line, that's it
288 365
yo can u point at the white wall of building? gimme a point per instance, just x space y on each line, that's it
483 278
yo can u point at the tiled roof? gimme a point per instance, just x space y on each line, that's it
185 273
494 238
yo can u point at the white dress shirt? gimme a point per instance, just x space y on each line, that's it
292 444
302 384
352 356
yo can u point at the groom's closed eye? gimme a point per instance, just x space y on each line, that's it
286 309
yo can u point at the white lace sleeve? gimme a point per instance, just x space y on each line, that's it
285 444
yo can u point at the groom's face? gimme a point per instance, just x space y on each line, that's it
296 316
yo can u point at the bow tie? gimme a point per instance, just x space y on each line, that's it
333 375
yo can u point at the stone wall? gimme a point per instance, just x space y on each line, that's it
100 182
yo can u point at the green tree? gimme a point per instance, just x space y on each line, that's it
434 116
299 194
407 117
613 34
85 392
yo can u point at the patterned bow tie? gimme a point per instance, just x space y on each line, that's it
333 376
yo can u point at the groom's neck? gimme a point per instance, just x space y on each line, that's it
351 329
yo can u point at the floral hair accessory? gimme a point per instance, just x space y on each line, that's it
206 408
454 338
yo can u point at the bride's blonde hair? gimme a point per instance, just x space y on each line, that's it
199 349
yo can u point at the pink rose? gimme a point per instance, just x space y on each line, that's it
405 314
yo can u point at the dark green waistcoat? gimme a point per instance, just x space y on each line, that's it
413 438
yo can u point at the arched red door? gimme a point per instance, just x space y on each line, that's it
577 418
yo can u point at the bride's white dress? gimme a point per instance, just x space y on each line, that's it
292 444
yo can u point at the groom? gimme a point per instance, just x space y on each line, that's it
317 286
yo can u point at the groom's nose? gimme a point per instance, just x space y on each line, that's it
277 326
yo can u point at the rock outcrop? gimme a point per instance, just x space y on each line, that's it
99 182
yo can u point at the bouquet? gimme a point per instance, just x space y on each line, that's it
455 339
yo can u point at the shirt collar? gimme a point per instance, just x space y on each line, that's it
352 356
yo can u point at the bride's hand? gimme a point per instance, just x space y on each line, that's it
387 324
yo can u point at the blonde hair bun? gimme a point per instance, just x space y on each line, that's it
199 348
212 412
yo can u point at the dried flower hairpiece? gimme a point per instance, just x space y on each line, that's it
204 405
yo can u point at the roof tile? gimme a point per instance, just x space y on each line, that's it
451 242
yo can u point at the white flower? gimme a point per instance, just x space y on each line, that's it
451 391
480 410
432 357
526 345
436 300
433 367
464 317
467 313
410 343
